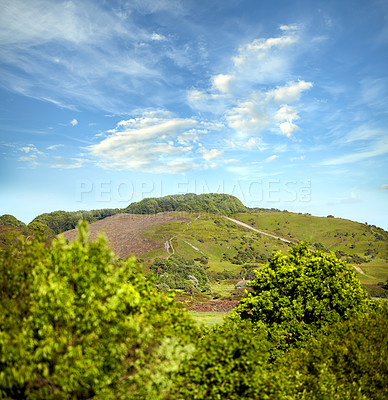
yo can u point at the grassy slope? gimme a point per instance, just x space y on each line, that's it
215 236
334 233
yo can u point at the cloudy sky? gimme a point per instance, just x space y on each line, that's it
283 104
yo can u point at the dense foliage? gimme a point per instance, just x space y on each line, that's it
212 203
178 273
61 221
10 220
348 361
298 294
76 324
230 362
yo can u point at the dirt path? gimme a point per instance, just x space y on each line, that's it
168 243
256 230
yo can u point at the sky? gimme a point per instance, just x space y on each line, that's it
283 104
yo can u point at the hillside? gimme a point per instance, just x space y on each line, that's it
212 203
125 232
10 220
227 249
60 221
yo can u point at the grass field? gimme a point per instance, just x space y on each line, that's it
209 319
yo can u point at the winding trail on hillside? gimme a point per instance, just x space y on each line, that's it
256 230
168 243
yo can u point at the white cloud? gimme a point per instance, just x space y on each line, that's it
237 96
248 117
63 163
73 122
156 142
30 148
223 83
297 158
290 92
384 186
231 161
210 154
287 128
286 113
271 158
55 146
288 28
258 50
157 37
33 155
251 143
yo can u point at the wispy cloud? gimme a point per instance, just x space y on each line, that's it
271 158
32 155
155 142
64 163
88 53
378 148
55 146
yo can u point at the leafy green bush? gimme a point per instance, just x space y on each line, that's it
296 295
348 361
179 273
10 220
77 324
230 362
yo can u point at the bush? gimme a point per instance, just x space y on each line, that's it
296 295
230 362
77 324
349 361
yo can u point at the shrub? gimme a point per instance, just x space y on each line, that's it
349 361
77 324
298 294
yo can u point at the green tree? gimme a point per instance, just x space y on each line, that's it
348 361
231 362
77 324
296 295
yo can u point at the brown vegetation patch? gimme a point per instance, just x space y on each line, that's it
215 306
125 232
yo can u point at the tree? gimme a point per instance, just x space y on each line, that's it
77 324
298 294
230 362
349 361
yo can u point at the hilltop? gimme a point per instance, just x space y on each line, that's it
212 203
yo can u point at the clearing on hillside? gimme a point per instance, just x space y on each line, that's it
124 231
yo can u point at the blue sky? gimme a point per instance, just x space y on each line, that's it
283 104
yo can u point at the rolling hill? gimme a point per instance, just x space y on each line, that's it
223 245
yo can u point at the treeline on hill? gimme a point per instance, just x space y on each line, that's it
60 221
212 203
78 323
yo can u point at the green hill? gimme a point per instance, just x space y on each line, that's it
10 220
61 221
228 250
212 203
